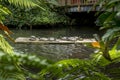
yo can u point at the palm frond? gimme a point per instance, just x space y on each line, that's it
25 3
4 46
72 69
111 33
4 75
3 11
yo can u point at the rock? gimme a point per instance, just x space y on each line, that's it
72 38
64 38
52 39
32 38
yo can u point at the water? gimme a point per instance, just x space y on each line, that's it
56 51
85 32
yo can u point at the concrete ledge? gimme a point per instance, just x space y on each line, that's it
26 40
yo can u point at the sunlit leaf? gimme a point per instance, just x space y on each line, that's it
25 3
95 44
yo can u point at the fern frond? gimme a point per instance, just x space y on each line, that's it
72 69
5 47
6 75
62 68
3 11
25 3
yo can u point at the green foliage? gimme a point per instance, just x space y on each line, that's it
5 47
18 66
14 66
109 20
13 62
111 34
115 51
109 51
4 75
108 59
3 11
24 3
36 16
69 69
7 64
72 69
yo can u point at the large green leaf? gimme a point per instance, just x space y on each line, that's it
101 19
110 34
115 51
113 1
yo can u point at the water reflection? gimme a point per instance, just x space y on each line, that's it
56 51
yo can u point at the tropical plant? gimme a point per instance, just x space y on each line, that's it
109 50
16 66
73 69
36 16
10 64
110 18
109 21
23 3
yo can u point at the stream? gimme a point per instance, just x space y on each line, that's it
55 51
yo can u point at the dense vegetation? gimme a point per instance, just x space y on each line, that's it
48 13
104 64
